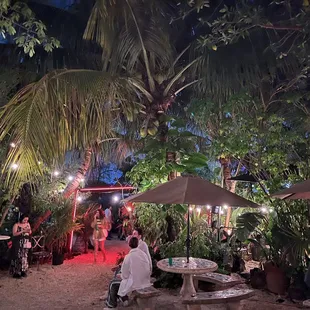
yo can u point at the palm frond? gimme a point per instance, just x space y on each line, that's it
239 66
65 110
131 32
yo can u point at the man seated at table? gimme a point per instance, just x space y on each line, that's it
135 274
142 244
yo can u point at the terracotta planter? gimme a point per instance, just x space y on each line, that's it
276 280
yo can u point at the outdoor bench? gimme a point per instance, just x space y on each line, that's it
146 297
217 279
230 297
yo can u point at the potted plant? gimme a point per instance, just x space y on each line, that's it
58 230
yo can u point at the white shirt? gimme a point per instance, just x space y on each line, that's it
143 247
108 215
135 272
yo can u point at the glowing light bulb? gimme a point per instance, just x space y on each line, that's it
208 207
116 198
225 207
229 231
222 212
270 210
14 166
39 163
70 178
83 180
264 210
190 209
129 209
79 199
56 173
12 144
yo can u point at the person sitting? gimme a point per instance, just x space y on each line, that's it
135 275
142 244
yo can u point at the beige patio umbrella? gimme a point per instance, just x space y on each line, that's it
191 191
297 191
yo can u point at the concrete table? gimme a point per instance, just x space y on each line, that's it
3 237
195 266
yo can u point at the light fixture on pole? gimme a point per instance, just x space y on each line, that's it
116 198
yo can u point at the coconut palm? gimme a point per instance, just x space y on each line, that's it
141 76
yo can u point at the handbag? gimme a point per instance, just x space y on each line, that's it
27 244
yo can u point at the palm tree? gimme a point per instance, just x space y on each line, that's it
141 75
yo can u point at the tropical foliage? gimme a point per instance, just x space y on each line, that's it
18 21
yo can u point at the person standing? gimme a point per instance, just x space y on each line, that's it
135 275
100 233
20 247
108 216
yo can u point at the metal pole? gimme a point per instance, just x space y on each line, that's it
188 239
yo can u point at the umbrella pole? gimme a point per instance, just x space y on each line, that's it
188 239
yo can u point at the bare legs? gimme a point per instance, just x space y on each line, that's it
99 244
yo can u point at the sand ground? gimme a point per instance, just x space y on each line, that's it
79 284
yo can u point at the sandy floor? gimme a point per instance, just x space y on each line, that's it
79 284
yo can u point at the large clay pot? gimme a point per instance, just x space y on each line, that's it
276 280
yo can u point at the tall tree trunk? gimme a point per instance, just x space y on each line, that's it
72 186
229 185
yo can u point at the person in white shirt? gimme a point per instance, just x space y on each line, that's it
142 244
135 275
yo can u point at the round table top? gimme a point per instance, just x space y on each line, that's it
3 237
195 266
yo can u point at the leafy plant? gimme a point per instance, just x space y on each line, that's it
19 21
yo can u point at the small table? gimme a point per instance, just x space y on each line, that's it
195 266
3 237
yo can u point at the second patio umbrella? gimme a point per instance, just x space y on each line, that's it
191 191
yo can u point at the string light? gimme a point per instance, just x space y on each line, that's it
12 144
229 231
225 207
39 163
190 209
83 180
79 199
70 178
14 166
56 173
129 209
264 210
221 211
198 209
208 207
270 210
